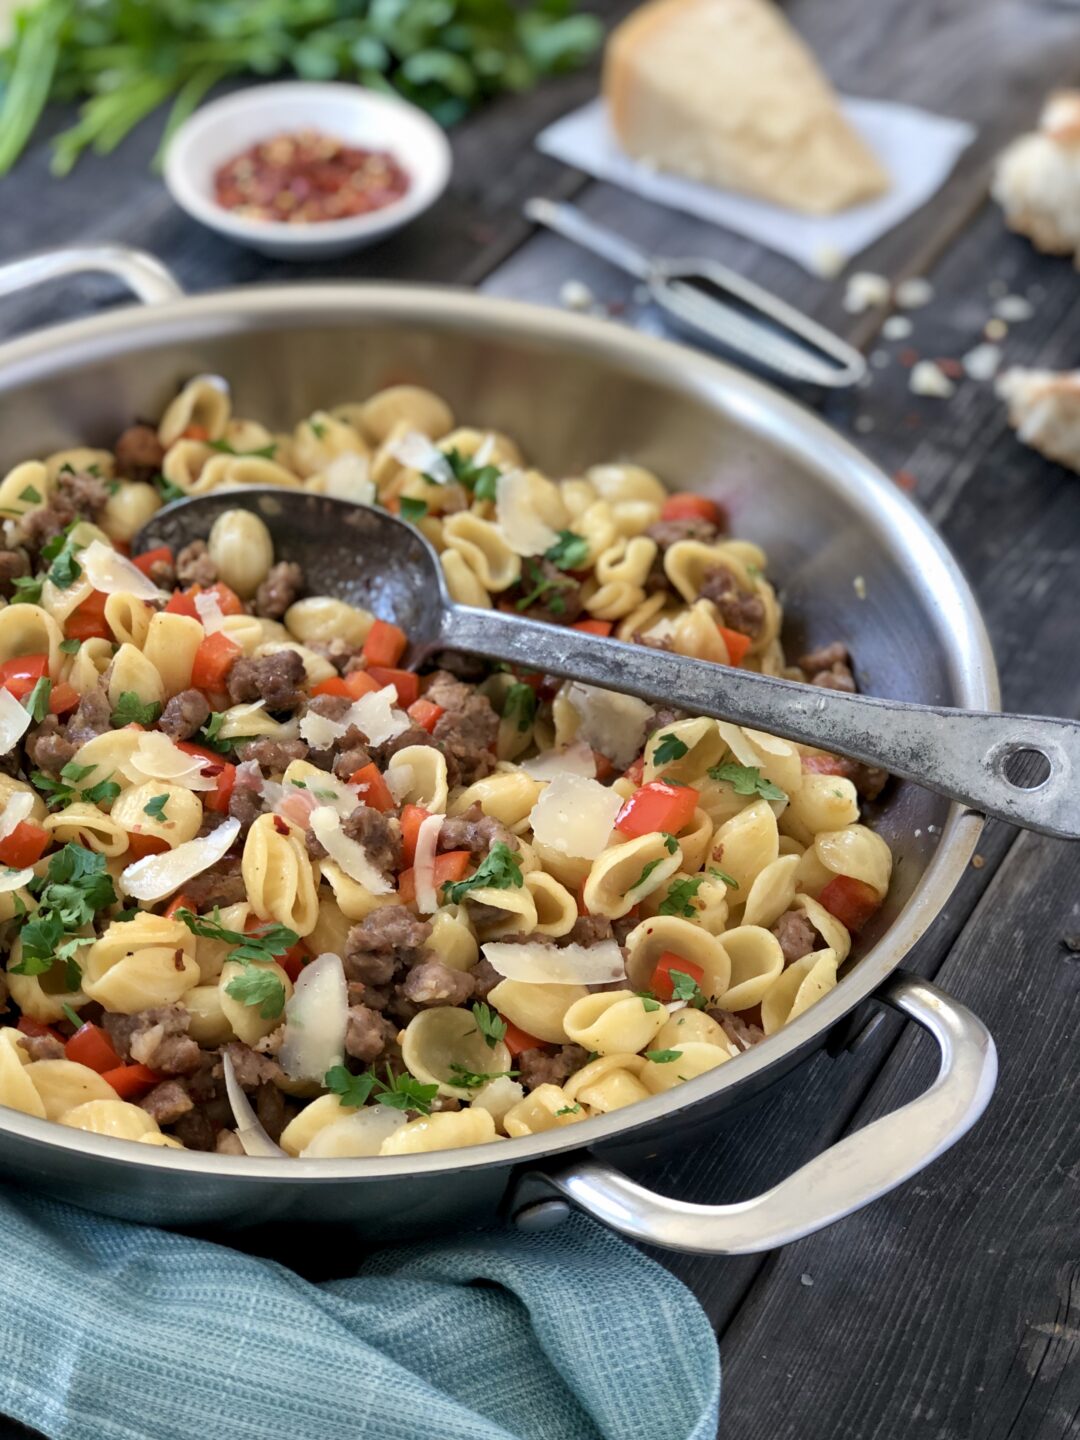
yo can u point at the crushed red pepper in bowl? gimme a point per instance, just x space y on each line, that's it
308 178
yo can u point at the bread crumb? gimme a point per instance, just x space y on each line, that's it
982 362
1014 308
977 862
897 327
864 291
927 378
914 293
575 295
828 261
859 586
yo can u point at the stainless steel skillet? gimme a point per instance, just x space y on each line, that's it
574 392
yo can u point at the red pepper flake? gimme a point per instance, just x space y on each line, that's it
953 368
280 826
308 178
907 357
905 479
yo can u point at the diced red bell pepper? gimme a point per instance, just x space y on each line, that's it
374 790
385 643
197 432
661 984
215 763
149 558
140 845
63 697
517 1040
21 674
635 773
851 901
294 960
29 1026
404 681
131 1082
593 627
213 660
685 506
24 846
449 868
412 817
229 603
90 1046
218 798
179 902
426 714
657 806
349 687
737 644
182 602
87 621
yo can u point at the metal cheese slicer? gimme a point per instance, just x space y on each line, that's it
371 558
714 304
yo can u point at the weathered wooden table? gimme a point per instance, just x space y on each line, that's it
952 1308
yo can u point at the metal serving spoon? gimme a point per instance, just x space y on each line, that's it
370 558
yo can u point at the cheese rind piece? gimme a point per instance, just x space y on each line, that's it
725 92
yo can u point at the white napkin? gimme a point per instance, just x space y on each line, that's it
917 149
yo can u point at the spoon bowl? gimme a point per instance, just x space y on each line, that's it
1020 768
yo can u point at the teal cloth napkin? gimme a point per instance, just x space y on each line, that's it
114 1331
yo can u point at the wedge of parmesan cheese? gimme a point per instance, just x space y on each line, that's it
575 815
614 724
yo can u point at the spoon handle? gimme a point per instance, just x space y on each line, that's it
959 753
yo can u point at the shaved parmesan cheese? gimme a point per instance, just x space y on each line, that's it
14 879
210 612
416 452
249 1130
498 1096
526 533
352 857
156 876
315 1020
18 808
575 815
427 838
533 964
114 574
157 757
399 780
374 715
484 451
238 714
575 759
347 478
613 724
14 721
320 731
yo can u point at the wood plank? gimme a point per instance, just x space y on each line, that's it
949 1309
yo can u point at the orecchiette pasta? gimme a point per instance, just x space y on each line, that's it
431 916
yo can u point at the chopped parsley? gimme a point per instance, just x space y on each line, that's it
257 947
499 870
64 569
546 588
663 1057
569 1110
318 429
682 893
670 843
27 589
70 647
746 780
71 892
266 453
669 747
473 1079
570 551
685 987
72 1015
30 495
37 701
258 987
130 710
649 1001
649 868
67 789
480 479
412 509
490 1023
167 490
398 1092
729 880
210 734
519 706
155 808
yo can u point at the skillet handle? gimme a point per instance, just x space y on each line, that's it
147 278
853 1172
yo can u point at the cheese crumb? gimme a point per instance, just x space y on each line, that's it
864 291
982 362
897 327
828 261
575 295
859 586
1014 308
929 379
914 293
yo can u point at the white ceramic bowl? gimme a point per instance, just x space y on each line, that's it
224 128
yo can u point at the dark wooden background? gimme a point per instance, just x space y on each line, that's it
952 1308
